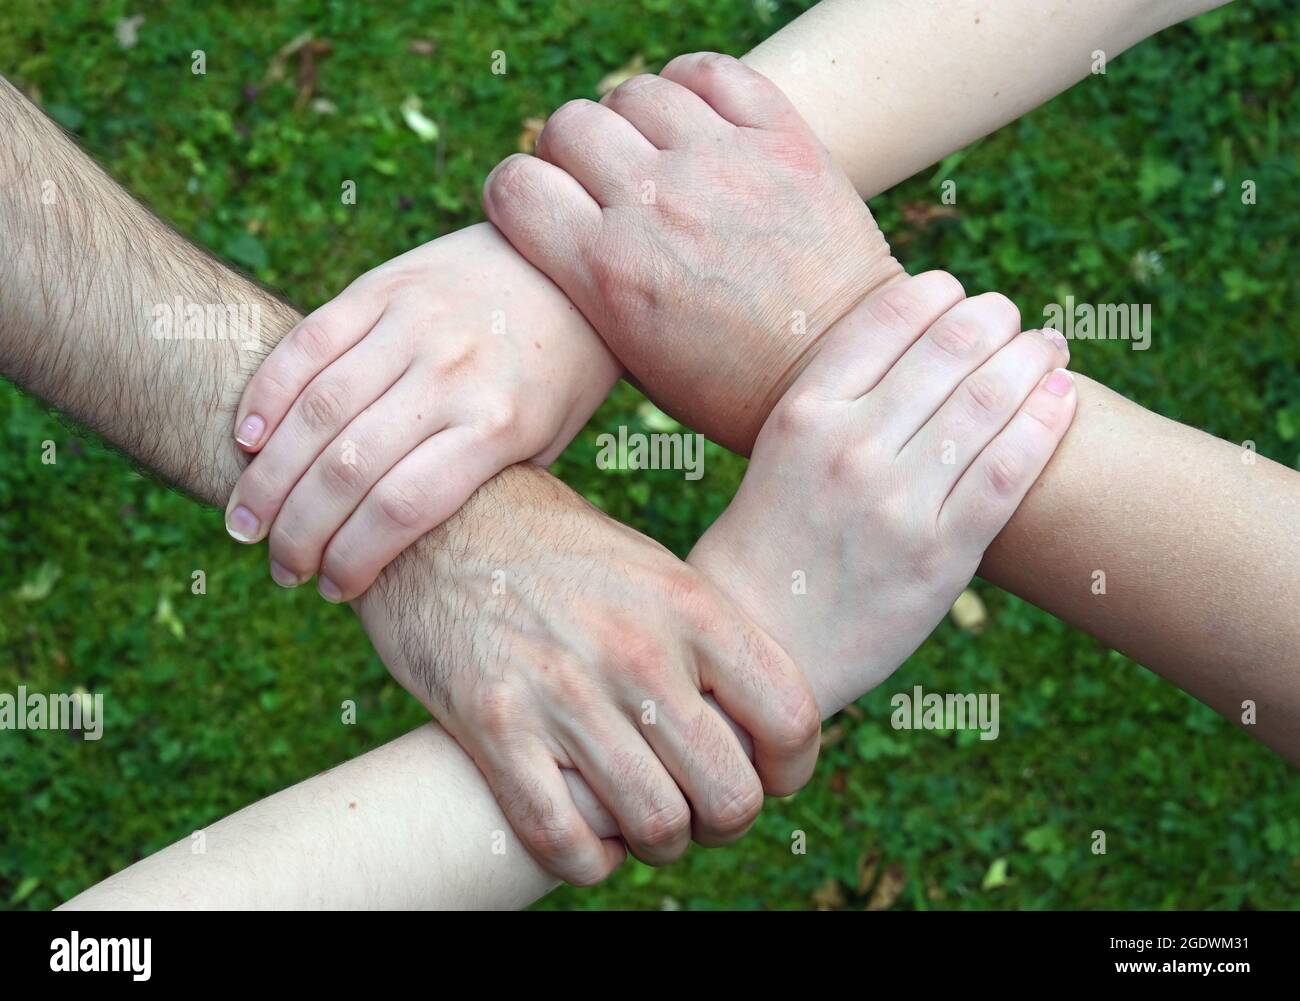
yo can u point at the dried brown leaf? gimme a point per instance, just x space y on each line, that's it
611 80
528 137
868 866
829 896
891 884
968 611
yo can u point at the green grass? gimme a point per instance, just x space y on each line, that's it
217 700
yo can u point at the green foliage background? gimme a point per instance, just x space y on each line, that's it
1126 189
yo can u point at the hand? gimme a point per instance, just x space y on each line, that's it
884 473
551 637
702 228
386 408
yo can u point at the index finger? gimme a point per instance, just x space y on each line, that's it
308 349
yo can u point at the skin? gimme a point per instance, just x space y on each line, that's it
541 692
77 328
850 485
648 193
181 454
889 88
411 824
1213 616
409 396
828 260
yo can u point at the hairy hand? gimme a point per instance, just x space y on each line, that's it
704 231
550 637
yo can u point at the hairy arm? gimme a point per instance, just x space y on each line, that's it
83 266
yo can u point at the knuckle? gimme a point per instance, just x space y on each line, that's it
943 286
513 181
551 838
402 504
801 723
795 729
271 383
313 339
984 396
697 602
588 874
567 121
349 573
954 337
322 406
1049 420
663 826
737 808
385 281
496 708
289 550
798 414
642 82
897 308
853 463
999 305
257 488
344 472
684 61
502 420
713 65
1003 473
617 285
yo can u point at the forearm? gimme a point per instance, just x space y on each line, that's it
891 88
90 281
410 824
1175 548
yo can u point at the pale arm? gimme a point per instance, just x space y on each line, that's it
411 824
892 88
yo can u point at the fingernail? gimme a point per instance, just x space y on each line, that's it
242 524
1057 338
1058 383
250 432
283 575
329 590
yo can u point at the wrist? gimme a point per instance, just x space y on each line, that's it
878 271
